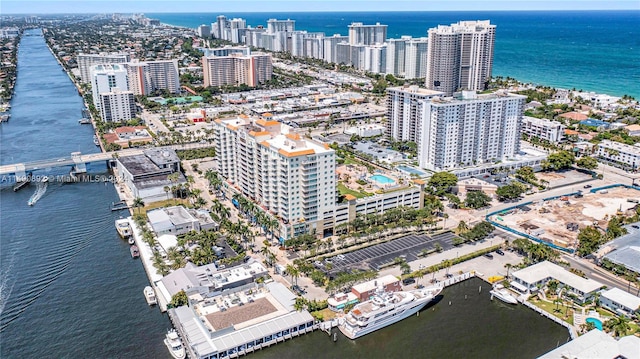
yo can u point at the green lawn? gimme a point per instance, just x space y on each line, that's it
551 309
165 203
344 190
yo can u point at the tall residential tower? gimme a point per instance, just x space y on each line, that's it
460 56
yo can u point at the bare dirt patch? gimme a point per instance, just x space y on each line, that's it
550 220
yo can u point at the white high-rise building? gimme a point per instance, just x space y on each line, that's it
375 58
117 105
235 29
404 118
460 56
146 77
204 31
106 79
396 56
219 28
469 130
415 60
237 69
330 47
360 34
86 61
286 174
274 26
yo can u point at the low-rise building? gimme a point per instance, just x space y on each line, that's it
620 302
147 175
128 136
178 220
366 130
474 184
626 156
633 130
596 344
240 319
531 279
364 291
545 130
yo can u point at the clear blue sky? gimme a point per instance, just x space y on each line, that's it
219 6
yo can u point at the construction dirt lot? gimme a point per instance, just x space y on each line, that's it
558 221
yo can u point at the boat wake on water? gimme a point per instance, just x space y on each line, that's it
53 259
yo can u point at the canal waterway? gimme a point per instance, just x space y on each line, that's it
472 326
68 285
69 288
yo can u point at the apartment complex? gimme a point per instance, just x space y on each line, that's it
460 56
291 177
237 69
450 132
469 130
146 77
621 154
404 118
360 34
86 61
117 105
543 129
111 94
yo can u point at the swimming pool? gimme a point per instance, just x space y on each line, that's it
382 179
411 170
596 322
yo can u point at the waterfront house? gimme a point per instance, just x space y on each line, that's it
620 302
531 279
597 344
177 220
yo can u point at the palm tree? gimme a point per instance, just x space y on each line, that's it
137 203
619 325
299 304
167 189
293 272
508 266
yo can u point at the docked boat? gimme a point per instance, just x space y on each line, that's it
385 308
502 293
123 227
131 240
84 121
150 295
135 253
174 344
96 140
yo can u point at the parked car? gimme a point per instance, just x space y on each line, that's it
587 186
500 252
408 281
489 255
340 257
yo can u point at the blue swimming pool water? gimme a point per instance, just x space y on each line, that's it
595 322
382 179
411 170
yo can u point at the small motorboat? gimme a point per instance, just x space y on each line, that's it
135 253
502 293
150 295
174 344
124 228
131 241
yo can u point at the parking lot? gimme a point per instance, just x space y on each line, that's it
407 247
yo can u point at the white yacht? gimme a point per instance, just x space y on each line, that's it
150 295
502 293
384 309
123 228
174 344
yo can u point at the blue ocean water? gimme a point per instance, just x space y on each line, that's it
590 50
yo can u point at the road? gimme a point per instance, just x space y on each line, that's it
594 272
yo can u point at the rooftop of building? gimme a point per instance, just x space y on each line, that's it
375 283
625 250
596 344
544 270
162 156
415 90
159 181
620 296
541 121
107 68
162 218
276 135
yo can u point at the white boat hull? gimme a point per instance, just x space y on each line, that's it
505 297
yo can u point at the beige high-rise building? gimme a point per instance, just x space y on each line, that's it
86 61
237 69
460 56
148 76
